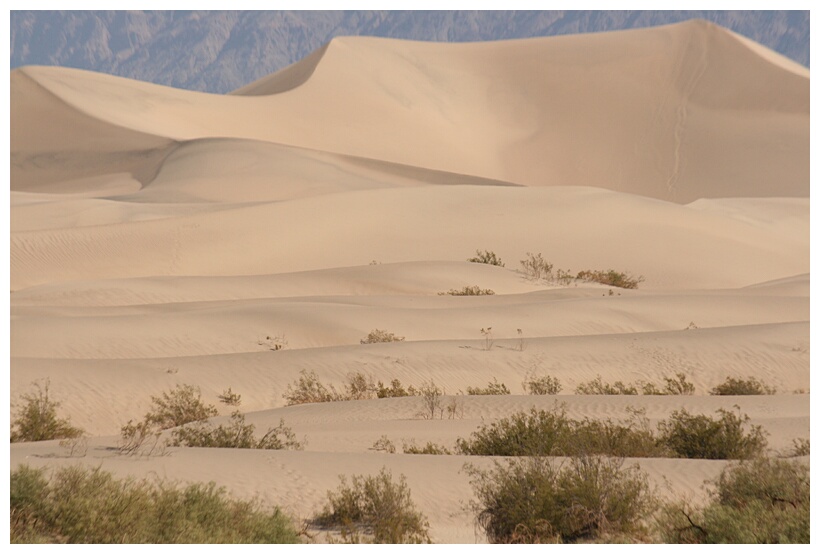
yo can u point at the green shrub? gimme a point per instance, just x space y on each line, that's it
395 390
378 335
597 386
537 500
535 266
429 448
237 434
800 447
359 387
36 418
475 290
377 507
308 389
486 257
611 277
541 385
764 501
553 433
741 387
79 505
674 386
493 388
700 436
180 406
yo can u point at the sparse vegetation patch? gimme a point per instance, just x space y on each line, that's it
36 418
742 387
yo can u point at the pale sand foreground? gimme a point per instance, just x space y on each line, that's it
160 237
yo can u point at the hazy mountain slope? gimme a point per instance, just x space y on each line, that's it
222 51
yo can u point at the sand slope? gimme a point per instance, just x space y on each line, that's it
163 237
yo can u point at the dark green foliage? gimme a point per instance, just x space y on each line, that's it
611 277
741 387
701 436
537 500
377 507
486 257
79 505
237 434
36 419
760 501
493 388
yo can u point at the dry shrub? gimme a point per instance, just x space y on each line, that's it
379 335
486 257
742 387
36 418
376 507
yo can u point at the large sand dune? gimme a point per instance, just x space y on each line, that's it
163 237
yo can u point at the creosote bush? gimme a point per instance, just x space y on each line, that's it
475 290
541 384
379 335
376 507
492 388
763 501
742 387
308 389
597 386
486 257
675 386
536 267
429 448
78 505
539 500
701 436
237 434
610 277
180 406
36 418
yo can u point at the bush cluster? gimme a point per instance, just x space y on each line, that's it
742 387
78 505
380 335
538 500
541 384
486 257
309 389
376 507
675 386
700 436
492 388
474 290
760 501
610 277
237 434
36 418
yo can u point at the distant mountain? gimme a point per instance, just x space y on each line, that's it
222 51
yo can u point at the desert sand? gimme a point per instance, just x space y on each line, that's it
163 237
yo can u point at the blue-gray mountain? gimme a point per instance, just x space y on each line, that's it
222 51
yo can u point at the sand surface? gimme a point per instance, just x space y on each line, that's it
163 237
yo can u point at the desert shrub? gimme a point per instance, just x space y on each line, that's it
377 507
674 386
538 500
309 389
488 337
395 390
701 436
141 437
36 418
475 290
378 335
493 388
429 448
800 447
359 387
230 398
78 505
553 433
741 387
610 277
597 386
180 406
541 385
383 444
486 257
237 434
431 400
760 501
535 266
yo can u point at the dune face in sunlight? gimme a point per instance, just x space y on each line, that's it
163 237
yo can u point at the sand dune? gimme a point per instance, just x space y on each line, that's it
163 237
